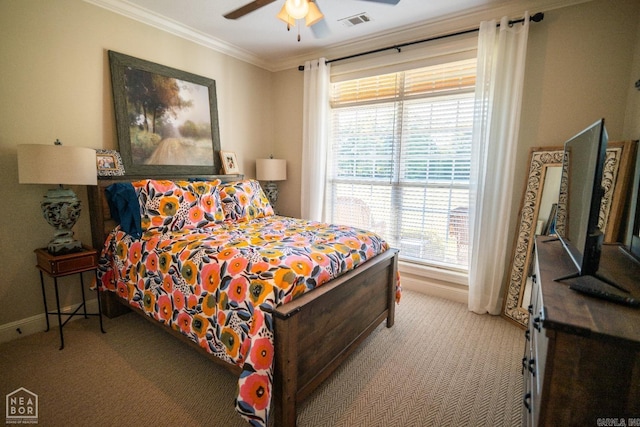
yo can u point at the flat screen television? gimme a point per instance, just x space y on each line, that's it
580 198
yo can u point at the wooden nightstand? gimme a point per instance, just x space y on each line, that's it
63 265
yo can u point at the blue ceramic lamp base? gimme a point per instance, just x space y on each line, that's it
61 208
271 191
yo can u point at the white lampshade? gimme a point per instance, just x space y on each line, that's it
314 15
271 169
297 9
56 164
284 17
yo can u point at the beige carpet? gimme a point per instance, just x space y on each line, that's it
440 365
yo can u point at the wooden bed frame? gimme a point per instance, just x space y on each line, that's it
304 357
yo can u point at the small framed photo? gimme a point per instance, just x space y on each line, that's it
109 163
229 162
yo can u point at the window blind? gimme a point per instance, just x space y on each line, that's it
400 159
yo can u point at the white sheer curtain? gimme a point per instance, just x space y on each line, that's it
500 75
315 128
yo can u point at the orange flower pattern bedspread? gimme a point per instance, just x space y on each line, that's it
218 285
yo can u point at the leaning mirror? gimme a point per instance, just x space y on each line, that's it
616 182
536 215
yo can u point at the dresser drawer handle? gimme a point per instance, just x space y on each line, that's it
527 335
524 364
532 367
530 309
536 323
525 401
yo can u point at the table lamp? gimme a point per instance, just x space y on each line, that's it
61 165
271 170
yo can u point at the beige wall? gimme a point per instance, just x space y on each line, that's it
632 118
578 70
54 83
288 93
579 67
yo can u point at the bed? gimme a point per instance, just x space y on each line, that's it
266 296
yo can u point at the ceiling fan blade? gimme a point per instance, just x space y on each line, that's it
247 8
320 29
385 1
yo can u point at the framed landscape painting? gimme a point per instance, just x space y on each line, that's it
167 119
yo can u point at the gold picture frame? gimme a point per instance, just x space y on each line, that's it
109 163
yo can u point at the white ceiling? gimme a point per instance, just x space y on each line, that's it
262 39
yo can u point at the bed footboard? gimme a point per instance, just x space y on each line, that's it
316 332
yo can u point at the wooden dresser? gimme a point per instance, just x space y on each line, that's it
582 354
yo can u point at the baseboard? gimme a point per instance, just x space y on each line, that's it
451 291
38 323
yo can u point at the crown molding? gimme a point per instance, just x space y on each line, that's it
442 25
430 28
148 17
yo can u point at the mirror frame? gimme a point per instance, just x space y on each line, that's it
615 181
632 235
540 158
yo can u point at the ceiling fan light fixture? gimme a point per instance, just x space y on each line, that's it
297 9
314 14
285 17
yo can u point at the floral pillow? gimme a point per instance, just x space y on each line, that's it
244 200
174 205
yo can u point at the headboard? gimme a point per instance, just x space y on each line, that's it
101 221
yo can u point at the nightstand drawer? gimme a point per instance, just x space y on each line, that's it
62 265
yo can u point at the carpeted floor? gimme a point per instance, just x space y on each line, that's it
440 365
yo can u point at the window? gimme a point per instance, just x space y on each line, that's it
400 159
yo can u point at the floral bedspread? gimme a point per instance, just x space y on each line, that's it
218 285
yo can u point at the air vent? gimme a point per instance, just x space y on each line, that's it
360 18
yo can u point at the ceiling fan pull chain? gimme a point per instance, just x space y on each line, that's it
299 33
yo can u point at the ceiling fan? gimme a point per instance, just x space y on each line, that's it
293 10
